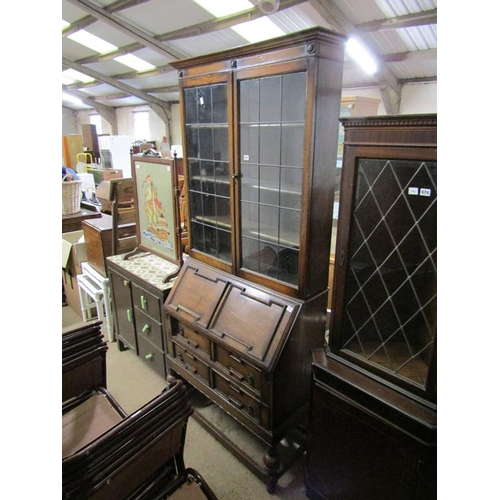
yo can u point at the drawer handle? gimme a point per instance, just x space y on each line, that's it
249 347
149 356
195 316
194 370
191 343
235 403
130 317
250 380
250 410
146 328
235 374
144 302
126 283
238 360
235 389
190 356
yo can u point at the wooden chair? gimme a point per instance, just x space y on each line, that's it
109 454
123 213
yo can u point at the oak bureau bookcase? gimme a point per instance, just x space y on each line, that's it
259 133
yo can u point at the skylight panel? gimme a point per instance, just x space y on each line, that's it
258 29
253 31
362 57
70 98
72 76
65 24
134 62
221 8
92 42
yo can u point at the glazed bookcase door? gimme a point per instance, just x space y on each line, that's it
208 153
271 127
260 136
385 292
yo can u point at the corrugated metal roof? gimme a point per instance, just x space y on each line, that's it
405 50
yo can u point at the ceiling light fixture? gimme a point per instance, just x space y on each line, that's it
268 6
362 57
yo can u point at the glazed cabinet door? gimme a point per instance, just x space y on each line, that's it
384 315
270 166
206 128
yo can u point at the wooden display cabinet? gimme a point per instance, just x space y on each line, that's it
374 411
259 147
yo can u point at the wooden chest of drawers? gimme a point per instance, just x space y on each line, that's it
138 294
246 348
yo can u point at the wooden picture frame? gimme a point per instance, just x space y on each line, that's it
157 212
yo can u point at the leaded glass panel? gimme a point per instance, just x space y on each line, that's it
391 293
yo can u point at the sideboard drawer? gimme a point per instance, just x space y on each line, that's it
147 302
148 328
151 355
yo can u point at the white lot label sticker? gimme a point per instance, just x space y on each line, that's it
413 190
246 157
425 192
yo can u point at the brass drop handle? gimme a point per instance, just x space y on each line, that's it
130 317
251 380
149 356
146 328
126 283
144 302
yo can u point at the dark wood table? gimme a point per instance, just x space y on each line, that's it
73 222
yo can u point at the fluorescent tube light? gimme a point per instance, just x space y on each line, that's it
134 62
362 57
65 24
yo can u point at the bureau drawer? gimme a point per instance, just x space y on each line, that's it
146 302
191 362
195 340
149 328
151 355
246 374
240 400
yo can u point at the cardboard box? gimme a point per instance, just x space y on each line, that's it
74 252
71 292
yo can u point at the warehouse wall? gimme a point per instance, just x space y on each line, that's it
415 98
